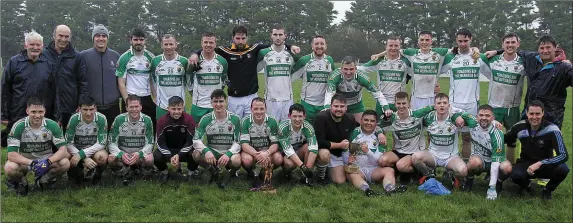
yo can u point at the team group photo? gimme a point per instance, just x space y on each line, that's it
220 126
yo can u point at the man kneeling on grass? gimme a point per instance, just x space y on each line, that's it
30 143
222 148
367 158
175 132
131 141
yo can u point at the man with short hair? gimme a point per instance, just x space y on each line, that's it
259 142
169 74
540 139
210 74
222 147
488 154
30 148
133 73
349 82
333 126
392 71
27 74
443 149
367 159
298 143
131 141
86 135
70 74
175 132
278 64
101 64
464 72
243 79
407 131
314 69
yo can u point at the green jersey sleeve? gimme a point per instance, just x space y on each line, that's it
299 67
410 52
370 66
71 133
154 64
441 51
331 61
469 119
284 138
308 132
273 135
497 145
422 111
57 135
15 136
446 65
245 126
333 81
365 82
122 65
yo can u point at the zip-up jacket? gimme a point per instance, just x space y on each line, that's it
175 136
71 81
100 74
23 79
538 145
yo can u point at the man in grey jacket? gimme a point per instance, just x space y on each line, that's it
101 63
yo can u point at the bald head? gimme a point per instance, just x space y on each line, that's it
62 36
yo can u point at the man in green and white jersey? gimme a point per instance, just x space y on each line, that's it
298 143
86 136
367 159
314 69
169 74
209 75
30 143
133 73
443 150
391 70
464 71
278 64
488 153
131 140
349 82
222 147
259 141
407 127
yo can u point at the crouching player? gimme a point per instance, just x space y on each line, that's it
175 132
131 141
222 148
488 153
87 137
259 141
30 143
298 143
367 158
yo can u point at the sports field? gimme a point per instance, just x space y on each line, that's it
197 201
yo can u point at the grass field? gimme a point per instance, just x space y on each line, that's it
197 201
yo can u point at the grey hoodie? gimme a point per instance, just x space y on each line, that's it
100 73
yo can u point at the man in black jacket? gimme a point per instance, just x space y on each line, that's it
69 72
539 139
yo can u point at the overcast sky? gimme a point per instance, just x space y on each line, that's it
341 7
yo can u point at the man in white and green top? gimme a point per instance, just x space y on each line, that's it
464 71
298 143
349 82
86 136
391 70
443 149
133 73
222 147
277 63
169 74
209 75
488 153
131 140
314 69
30 143
259 141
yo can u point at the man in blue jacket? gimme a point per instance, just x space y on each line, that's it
101 63
69 72
27 74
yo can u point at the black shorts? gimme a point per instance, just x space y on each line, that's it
399 154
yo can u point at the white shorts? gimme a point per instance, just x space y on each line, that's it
367 171
35 156
338 160
417 103
442 162
278 109
467 107
241 106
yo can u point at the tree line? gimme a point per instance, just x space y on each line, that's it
367 24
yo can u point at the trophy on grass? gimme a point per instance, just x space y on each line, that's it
267 187
351 167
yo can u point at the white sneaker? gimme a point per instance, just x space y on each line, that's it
491 193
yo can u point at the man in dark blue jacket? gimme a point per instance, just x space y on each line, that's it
27 74
69 73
